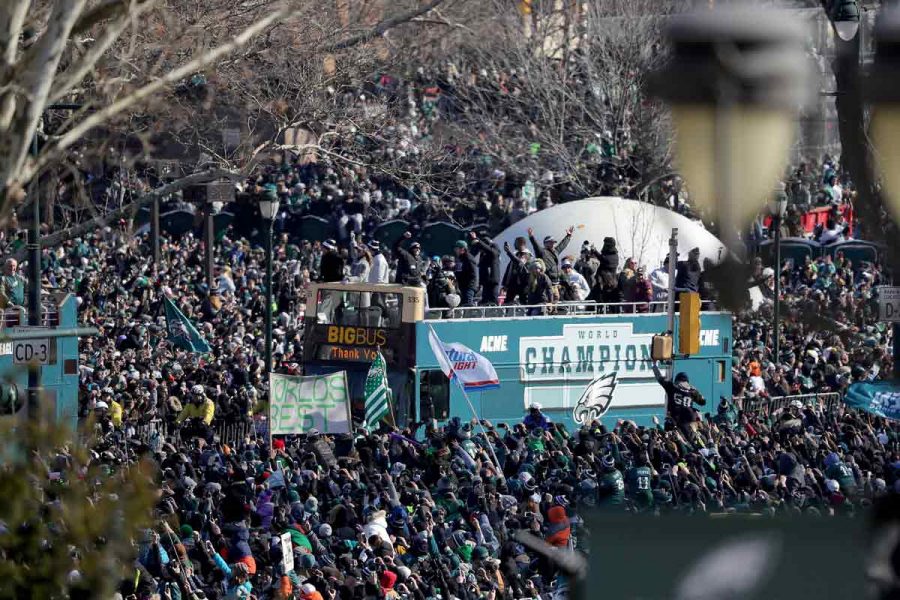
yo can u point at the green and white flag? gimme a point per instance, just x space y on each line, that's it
377 392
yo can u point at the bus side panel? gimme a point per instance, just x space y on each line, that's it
552 360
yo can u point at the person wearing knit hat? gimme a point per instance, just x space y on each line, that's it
309 592
387 580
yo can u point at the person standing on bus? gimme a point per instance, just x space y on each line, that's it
516 278
687 272
540 289
331 266
410 267
488 255
380 272
575 279
362 261
549 252
466 273
520 244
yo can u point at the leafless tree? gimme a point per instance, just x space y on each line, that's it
154 72
565 97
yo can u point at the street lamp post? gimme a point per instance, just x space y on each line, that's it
883 94
35 391
268 208
735 82
777 208
844 14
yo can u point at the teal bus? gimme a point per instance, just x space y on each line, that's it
548 359
58 358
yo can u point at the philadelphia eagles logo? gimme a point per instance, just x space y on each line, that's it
595 400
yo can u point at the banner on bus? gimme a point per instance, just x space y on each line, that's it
300 404
881 398
473 371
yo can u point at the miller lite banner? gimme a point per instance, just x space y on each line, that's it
471 370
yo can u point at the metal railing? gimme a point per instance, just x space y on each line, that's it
155 431
16 316
830 400
556 308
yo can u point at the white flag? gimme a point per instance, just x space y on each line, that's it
471 369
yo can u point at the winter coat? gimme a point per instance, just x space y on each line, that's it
377 526
467 272
380 272
559 530
331 266
550 257
488 262
608 257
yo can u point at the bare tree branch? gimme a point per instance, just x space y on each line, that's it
59 237
74 74
382 27
73 135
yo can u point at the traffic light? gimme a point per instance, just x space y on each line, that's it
689 323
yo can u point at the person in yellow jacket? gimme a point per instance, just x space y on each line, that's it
115 413
199 414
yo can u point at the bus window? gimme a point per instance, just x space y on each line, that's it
359 309
434 393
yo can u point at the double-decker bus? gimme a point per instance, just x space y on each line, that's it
549 359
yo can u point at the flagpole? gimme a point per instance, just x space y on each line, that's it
269 413
390 393
469 402
390 399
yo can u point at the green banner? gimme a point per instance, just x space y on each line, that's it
300 404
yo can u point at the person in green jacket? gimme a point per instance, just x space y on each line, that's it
611 490
638 480
836 469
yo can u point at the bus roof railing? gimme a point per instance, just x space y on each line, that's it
556 308
356 286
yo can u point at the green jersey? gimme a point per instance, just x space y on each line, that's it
14 288
611 488
638 480
844 476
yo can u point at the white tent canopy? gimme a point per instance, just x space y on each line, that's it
641 230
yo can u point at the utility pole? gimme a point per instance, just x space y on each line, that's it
670 298
34 271
154 231
210 239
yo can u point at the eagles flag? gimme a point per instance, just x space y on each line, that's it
377 392
880 398
182 332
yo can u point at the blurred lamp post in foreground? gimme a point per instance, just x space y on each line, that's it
882 91
844 14
883 94
268 209
735 83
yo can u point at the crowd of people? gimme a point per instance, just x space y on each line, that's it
425 511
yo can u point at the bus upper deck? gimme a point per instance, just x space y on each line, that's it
545 354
